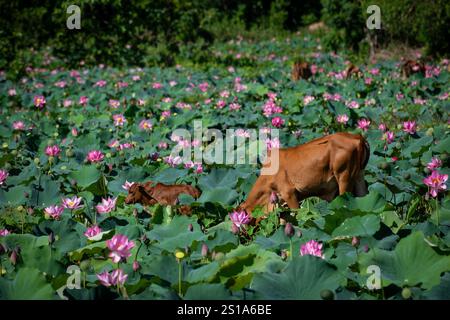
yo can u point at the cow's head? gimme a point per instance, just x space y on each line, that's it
138 193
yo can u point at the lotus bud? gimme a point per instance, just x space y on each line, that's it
136 265
355 241
234 229
110 167
299 233
135 212
51 238
30 210
273 197
366 248
289 230
190 227
14 256
204 250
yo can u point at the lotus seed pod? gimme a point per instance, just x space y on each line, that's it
69 153
14 152
429 132
36 161
406 293
5 145
327 294
218 256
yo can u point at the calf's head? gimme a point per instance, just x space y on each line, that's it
137 194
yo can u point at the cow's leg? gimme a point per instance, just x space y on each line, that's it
291 198
360 189
345 182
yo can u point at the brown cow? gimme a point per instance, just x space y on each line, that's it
410 67
352 70
147 194
300 70
324 167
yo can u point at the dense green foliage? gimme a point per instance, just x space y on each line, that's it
161 32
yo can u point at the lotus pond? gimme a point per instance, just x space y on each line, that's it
72 141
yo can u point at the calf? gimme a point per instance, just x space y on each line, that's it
325 167
147 194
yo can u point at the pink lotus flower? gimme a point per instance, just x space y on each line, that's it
388 136
165 114
60 84
272 143
120 247
136 78
374 71
434 163
242 133
119 120
74 132
92 231
12 92
163 145
409 127
83 100
157 85
173 161
234 106
100 83
18 125
54 211
107 205
368 81
3 176
127 185
172 83
313 248
435 183
203 86
72 203
382 127
114 103
353 104
399 96
363 124
95 156
115 278
52 151
342 118
308 99
39 101
239 218
114 144
220 104
277 122
67 103
4 232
